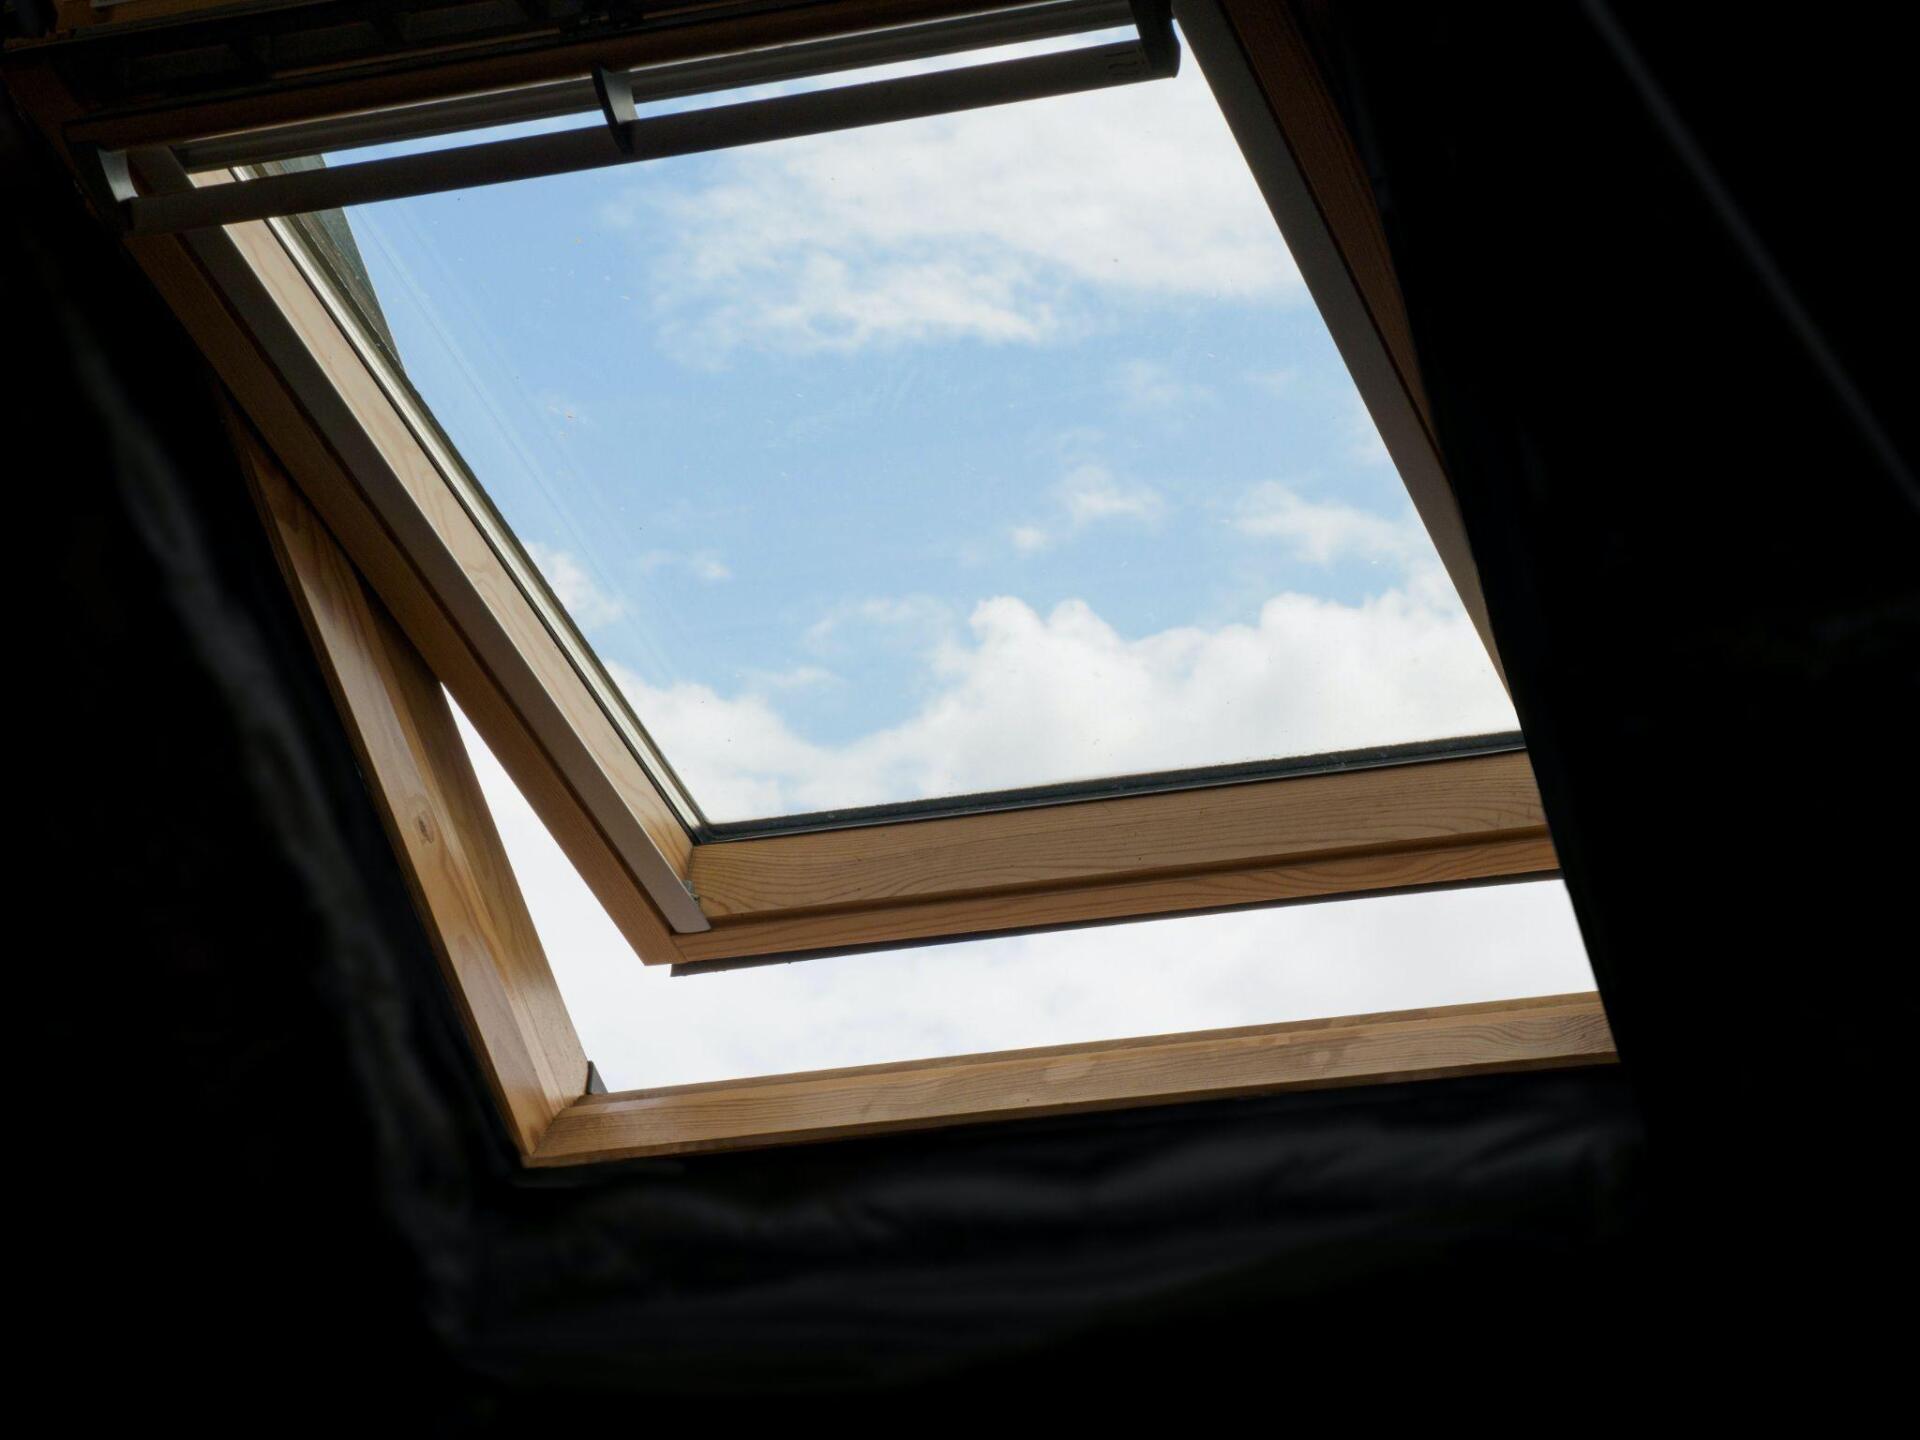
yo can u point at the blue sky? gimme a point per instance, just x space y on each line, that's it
996 449
993 449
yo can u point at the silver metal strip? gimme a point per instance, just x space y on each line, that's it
671 81
658 137
1117 787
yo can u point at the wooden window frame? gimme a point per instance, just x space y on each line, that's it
443 835
406 582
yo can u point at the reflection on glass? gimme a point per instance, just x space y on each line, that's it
993 450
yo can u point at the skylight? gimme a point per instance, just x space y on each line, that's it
860 513
994 450
645 1028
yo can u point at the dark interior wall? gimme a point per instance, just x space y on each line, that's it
1657 265
270 1182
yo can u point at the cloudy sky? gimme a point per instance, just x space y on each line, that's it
995 449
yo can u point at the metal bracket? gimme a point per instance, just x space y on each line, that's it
614 89
1155 54
1154 20
107 181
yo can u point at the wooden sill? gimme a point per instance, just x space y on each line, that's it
1543 1033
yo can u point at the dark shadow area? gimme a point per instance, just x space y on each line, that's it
266 1179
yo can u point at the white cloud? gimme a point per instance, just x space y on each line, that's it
795 677
585 601
644 1028
1323 531
702 565
1152 385
1019 698
1029 539
1090 494
994 225
910 619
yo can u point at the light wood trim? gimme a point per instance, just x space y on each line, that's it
443 835
1212 890
439 577
1447 801
1552 1031
419 506
406 594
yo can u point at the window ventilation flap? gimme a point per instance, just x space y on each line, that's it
627 136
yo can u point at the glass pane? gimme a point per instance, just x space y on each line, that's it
643 1026
996 450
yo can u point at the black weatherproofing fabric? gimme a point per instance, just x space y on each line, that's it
258 981
266 1180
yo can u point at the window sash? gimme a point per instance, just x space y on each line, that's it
456 582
